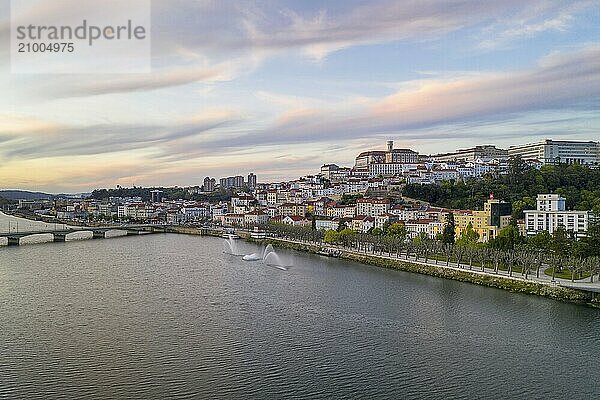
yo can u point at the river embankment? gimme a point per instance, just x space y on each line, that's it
511 284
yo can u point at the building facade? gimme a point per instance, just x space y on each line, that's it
552 213
559 151
485 152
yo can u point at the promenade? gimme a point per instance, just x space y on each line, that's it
583 284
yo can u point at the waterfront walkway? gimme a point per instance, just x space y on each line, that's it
583 284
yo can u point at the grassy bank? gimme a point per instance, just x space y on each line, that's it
500 282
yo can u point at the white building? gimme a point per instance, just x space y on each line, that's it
256 218
551 213
326 224
559 151
371 207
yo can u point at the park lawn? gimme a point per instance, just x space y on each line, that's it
566 274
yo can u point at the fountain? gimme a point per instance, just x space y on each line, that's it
269 257
268 249
252 257
230 247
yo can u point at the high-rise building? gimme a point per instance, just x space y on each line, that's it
251 181
209 184
559 151
232 182
238 181
156 196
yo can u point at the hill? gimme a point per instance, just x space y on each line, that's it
24 194
580 185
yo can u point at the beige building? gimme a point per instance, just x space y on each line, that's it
495 216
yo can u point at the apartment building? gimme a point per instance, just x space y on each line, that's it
551 213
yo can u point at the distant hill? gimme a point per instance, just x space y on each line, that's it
25 195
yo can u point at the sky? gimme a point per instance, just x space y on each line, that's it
280 88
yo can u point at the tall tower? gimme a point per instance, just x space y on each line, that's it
390 145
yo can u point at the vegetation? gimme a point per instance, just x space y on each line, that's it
559 253
175 193
580 185
350 198
528 287
6 202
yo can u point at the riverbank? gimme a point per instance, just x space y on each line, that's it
511 284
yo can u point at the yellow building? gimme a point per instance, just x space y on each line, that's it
487 223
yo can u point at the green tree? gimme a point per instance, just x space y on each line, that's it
561 242
397 230
508 238
346 236
448 234
377 232
468 237
540 241
331 237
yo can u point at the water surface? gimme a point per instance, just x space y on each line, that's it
171 316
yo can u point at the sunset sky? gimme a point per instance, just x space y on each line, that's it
281 87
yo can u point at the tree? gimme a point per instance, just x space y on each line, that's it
346 236
342 225
377 232
561 242
589 246
539 241
507 238
331 237
397 230
468 237
448 234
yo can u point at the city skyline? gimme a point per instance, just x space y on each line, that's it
280 88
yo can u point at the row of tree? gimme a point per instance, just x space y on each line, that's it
556 252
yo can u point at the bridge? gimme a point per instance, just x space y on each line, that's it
14 239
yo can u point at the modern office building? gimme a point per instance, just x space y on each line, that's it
552 213
559 151
488 222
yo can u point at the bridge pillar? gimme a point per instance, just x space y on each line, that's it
60 237
99 234
13 240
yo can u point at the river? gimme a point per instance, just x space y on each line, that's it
173 316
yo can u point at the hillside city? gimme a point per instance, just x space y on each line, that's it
368 197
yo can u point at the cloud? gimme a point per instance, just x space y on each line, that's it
533 19
65 140
140 82
559 81
206 41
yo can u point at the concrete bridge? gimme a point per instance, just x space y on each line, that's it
14 239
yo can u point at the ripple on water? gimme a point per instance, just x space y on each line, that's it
173 317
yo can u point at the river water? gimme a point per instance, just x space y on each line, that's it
173 316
